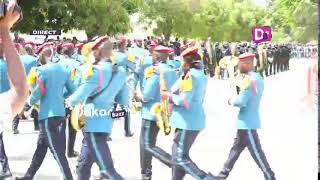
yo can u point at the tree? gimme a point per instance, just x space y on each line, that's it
294 20
171 17
96 17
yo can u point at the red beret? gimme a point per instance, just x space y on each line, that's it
40 48
122 40
79 45
99 41
68 45
138 41
17 45
31 43
163 49
153 44
189 51
246 56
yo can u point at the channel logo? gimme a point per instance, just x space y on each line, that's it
261 34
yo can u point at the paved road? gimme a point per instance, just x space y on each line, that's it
288 136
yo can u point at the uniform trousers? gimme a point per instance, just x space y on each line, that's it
95 149
247 139
52 136
148 148
181 161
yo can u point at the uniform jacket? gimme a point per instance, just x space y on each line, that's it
151 90
97 109
188 95
248 100
50 81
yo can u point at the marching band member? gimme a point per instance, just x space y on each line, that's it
188 117
49 83
248 100
29 62
97 89
70 63
149 128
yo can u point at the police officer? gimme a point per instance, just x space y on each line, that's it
270 60
277 59
248 100
188 117
49 82
149 128
98 90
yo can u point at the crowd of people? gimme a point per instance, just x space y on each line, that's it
76 85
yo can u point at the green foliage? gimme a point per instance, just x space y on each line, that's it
295 20
97 17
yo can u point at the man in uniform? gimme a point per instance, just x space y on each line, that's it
188 116
270 60
49 81
126 60
248 100
277 59
149 129
98 89
29 62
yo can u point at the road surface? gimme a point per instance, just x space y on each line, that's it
288 136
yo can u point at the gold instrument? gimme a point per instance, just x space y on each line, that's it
162 109
78 118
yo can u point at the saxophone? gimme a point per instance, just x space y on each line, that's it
162 110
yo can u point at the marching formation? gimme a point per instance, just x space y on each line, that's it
85 86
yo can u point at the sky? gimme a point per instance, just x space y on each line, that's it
261 2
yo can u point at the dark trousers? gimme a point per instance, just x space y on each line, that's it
127 119
52 135
3 156
181 162
269 69
96 149
72 133
34 115
249 139
148 148
15 122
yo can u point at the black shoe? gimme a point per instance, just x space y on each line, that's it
146 177
73 154
5 174
109 138
102 177
15 131
209 176
130 134
146 174
25 177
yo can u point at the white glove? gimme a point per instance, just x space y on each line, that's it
68 104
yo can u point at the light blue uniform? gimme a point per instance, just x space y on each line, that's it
140 69
4 80
248 101
122 60
28 62
188 112
51 81
89 87
151 90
